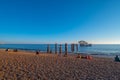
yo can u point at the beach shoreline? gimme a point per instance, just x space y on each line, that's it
69 53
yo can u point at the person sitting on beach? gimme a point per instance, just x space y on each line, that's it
6 50
15 50
83 57
37 52
117 58
78 56
89 57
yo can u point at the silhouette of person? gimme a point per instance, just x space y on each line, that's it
6 50
117 58
37 52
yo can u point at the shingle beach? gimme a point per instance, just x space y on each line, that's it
24 65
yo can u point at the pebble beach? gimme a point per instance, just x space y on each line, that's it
24 65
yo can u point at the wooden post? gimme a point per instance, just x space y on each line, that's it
60 49
66 49
56 48
72 47
76 47
48 48
50 51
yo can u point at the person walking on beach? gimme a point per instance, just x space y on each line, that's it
117 59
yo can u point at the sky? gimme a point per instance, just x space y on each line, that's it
51 21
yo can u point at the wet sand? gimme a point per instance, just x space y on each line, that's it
29 66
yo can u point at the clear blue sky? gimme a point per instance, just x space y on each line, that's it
43 21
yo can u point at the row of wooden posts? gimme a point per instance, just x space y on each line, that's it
60 48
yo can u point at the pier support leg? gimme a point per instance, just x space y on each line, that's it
60 49
66 50
76 47
48 48
56 48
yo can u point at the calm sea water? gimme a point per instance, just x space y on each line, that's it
94 50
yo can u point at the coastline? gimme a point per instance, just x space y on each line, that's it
96 50
70 53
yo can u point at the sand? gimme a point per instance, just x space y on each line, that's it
29 66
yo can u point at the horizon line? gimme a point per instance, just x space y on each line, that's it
67 43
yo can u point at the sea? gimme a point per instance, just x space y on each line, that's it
96 49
